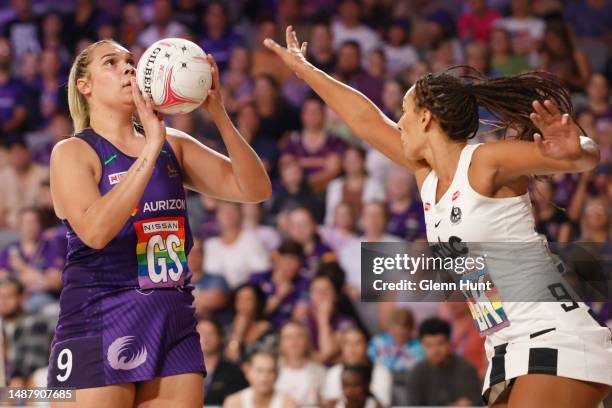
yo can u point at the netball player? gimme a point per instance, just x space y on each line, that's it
542 354
126 332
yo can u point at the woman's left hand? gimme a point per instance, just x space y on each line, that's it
560 137
213 104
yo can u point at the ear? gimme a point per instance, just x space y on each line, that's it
84 86
425 119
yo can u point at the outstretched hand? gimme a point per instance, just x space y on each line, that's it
294 55
560 137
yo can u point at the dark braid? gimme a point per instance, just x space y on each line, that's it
454 100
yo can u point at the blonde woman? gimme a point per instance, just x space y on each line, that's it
126 308
300 376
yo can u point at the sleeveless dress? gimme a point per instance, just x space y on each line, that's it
126 311
556 335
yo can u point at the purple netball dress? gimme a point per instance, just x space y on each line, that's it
126 310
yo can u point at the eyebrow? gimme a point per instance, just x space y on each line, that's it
114 54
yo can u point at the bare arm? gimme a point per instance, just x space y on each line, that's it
97 219
360 114
239 177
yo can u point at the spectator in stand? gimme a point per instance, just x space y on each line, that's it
526 30
248 124
28 335
322 317
81 24
503 59
283 286
13 112
223 377
291 191
405 210
320 49
289 13
264 61
252 216
319 153
465 339
52 37
356 379
443 378
476 25
598 100
235 253
23 30
163 25
276 117
550 219
58 129
211 292
595 222
236 83
590 19
397 349
35 262
131 25
354 351
19 183
377 64
343 228
51 85
354 188
399 52
300 377
392 98
303 229
218 39
559 56
261 372
374 220
249 331
350 71
348 27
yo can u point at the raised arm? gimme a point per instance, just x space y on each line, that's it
558 148
75 171
360 114
240 177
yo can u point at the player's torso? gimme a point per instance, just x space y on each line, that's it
151 248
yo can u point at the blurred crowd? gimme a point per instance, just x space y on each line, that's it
277 285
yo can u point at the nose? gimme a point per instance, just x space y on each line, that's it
129 69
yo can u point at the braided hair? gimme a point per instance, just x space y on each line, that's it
454 99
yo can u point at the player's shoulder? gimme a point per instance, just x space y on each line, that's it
233 400
72 148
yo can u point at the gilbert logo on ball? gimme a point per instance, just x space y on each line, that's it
176 74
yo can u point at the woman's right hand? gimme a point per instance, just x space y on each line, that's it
152 122
294 55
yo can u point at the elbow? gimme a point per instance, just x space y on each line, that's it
263 192
95 238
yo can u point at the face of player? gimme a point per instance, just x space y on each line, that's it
108 82
354 388
293 341
437 348
210 342
354 347
412 126
262 374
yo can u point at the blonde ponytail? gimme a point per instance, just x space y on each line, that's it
79 108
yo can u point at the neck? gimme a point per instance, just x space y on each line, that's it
442 154
230 235
295 362
314 133
373 236
111 124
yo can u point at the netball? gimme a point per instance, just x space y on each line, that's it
176 74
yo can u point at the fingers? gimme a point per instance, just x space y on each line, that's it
304 47
537 120
144 104
214 71
544 114
272 45
138 100
552 107
290 37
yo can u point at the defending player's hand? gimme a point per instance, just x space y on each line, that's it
213 104
560 136
294 55
152 122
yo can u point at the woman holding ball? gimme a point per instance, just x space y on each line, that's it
126 332
550 353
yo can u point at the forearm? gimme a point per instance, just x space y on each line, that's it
327 344
249 172
106 216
